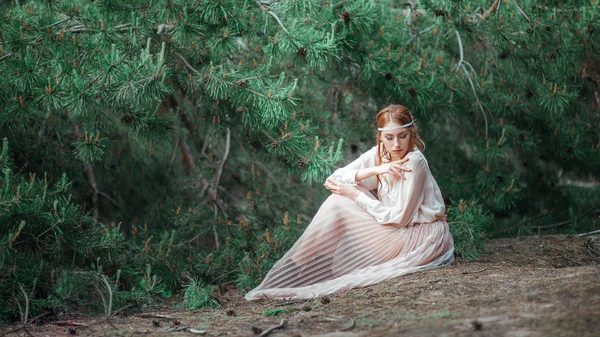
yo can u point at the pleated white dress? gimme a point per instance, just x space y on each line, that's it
358 243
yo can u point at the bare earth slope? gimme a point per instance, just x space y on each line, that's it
532 286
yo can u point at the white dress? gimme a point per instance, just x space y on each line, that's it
351 244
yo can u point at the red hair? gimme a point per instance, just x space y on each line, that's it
400 115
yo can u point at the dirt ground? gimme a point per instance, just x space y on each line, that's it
531 286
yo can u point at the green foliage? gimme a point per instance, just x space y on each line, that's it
198 296
467 225
273 312
192 134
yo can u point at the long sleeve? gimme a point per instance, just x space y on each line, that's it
347 174
410 195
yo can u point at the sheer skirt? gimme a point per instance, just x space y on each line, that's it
345 247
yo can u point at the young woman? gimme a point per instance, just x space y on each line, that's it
356 239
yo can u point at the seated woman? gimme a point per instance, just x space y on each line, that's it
355 239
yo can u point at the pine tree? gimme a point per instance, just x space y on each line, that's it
192 130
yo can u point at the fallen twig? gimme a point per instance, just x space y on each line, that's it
22 327
269 330
68 323
198 332
589 233
349 326
475 272
268 299
156 316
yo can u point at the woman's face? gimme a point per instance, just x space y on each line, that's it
396 142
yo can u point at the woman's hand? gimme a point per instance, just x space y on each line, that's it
342 189
395 169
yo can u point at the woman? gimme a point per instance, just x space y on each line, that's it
356 239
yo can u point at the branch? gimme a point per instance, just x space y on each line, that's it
173 154
269 330
23 327
521 10
475 272
220 170
477 98
110 296
5 57
89 172
491 10
24 318
278 21
460 47
187 153
589 233
187 64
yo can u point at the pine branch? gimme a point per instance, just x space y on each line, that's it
5 57
89 172
491 10
460 48
188 157
477 100
278 21
521 10
220 169
187 64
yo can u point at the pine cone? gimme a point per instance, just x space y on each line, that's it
438 12
274 145
301 163
548 28
255 144
388 76
127 119
529 31
346 17
302 52
243 83
412 92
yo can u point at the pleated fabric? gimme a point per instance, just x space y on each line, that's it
347 246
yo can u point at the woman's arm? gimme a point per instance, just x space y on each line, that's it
363 170
395 168
410 196
347 174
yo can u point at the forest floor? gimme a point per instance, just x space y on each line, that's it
529 286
